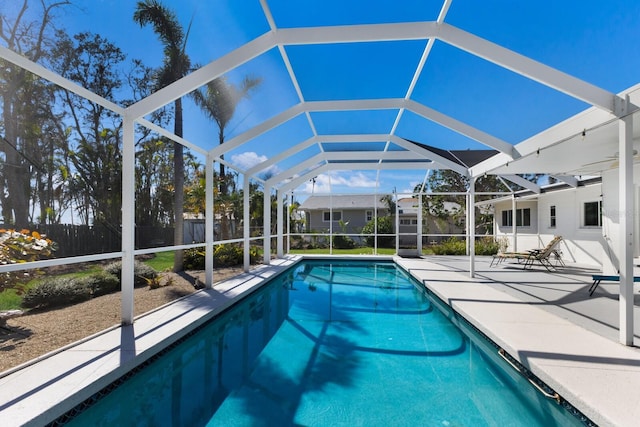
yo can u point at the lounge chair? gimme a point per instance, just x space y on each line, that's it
597 278
531 256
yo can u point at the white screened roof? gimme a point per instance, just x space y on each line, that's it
343 201
345 86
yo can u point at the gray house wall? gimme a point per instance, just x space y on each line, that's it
356 219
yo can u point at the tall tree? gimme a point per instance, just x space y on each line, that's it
22 97
176 65
219 100
94 63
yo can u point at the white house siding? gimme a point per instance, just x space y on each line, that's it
610 207
527 236
583 245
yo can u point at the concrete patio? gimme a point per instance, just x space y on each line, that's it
548 322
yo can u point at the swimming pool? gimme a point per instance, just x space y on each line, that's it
329 343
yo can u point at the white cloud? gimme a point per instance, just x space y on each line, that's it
249 159
321 184
412 186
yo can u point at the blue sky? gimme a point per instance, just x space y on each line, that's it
596 41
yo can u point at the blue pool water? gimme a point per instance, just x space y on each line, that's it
329 344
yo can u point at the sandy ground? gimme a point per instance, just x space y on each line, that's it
37 333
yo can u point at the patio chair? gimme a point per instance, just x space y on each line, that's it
597 278
531 256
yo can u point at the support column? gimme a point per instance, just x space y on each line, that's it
375 223
467 233
514 223
266 226
209 223
289 212
625 177
246 223
128 218
280 224
397 223
419 242
472 227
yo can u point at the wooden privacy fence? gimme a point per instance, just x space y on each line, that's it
76 240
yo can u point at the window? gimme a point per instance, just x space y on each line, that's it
592 214
552 217
408 222
523 218
368 216
326 216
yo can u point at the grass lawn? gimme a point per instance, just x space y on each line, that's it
163 261
12 300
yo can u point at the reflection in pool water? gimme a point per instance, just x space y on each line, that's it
328 343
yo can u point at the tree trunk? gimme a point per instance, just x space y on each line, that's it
178 209
16 173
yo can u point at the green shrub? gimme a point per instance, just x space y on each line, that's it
143 273
56 292
487 246
454 246
225 255
101 283
193 259
385 226
451 246
60 291
343 242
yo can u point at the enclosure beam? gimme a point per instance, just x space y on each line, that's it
246 230
514 223
280 225
531 69
202 76
128 219
419 241
266 225
209 224
472 227
37 69
523 183
626 215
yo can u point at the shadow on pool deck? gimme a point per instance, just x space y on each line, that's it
563 293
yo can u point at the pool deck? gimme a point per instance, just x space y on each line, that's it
548 322
545 320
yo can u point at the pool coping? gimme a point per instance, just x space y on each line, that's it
38 393
597 376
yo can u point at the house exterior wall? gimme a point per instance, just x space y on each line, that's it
610 227
356 219
581 244
527 235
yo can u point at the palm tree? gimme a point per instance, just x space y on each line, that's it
219 100
176 65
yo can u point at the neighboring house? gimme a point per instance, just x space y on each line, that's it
434 229
357 210
354 210
408 221
573 212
